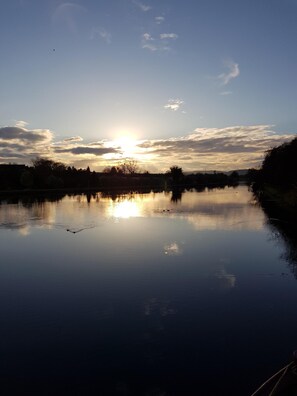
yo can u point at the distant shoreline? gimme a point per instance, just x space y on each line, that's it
123 189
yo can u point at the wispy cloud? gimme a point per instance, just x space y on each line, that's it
233 72
102 33
174 104
147 37
222 280
142 6
148 42
159 20
170 36
73 139
226 93
161 43
87 150
67 15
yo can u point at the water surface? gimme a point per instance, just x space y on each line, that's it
152 294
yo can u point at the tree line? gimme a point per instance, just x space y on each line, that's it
43 174
275 187
276 180
48 174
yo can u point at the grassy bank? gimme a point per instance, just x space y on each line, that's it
284 198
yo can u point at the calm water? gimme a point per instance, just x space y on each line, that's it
148 294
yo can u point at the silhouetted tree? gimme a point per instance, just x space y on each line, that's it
252 175
54 182
113 171
234 175
279 165
26 179
176 174
129 167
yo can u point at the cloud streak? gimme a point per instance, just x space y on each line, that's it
159 20
233 72
73 139
170 36
160 43
87 150
143 7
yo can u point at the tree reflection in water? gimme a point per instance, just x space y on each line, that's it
283 223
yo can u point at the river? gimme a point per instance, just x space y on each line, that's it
188 293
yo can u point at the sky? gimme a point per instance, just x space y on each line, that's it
201 84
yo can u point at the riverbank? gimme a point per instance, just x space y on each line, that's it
284 198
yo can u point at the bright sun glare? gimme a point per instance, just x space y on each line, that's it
126 142
124 209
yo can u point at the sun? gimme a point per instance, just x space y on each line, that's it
126 142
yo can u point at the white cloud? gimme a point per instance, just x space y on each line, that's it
171 36
147 37
233 72
159 20
21 124
226 93
148 42
174 104
160 43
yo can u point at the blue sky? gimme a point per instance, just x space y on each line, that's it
204 84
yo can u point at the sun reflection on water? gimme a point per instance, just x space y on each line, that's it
124 209
227 209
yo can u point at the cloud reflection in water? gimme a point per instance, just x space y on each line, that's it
173 249
221 280
154 306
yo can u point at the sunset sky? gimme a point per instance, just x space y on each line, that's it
203 84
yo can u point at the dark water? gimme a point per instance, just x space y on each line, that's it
143 295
